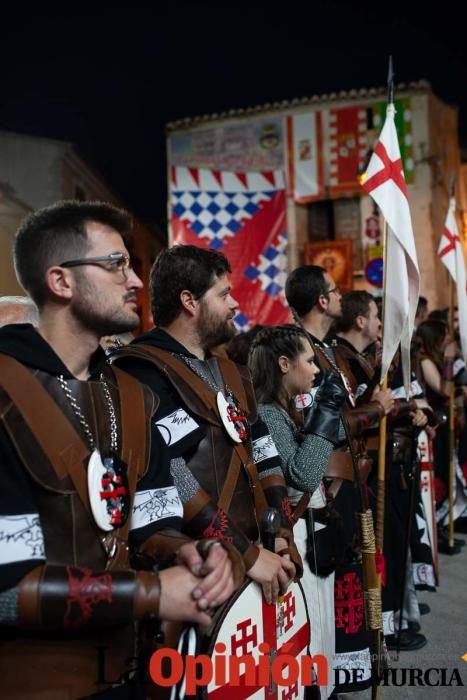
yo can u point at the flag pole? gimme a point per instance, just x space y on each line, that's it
381 476
451 398
381 479
452 415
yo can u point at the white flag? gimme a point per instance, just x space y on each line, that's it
452 255
305 156
385 182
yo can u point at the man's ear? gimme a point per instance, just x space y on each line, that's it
360 322
59 282
189 302
284 364
323 302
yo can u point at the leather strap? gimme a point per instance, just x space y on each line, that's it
233 380
231 377
372 442
228 489
163 359
258 494
133 432
133 420
340 466
301 507
60 442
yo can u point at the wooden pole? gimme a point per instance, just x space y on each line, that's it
381 478
452 415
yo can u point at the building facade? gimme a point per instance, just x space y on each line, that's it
36 172
322 145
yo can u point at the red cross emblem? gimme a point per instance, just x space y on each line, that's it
452 238
349 603
392 170
243 638
284 627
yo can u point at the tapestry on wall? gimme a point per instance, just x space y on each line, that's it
242 215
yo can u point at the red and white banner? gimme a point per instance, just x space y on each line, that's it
385 183
346 147
305 148
242 215
452 255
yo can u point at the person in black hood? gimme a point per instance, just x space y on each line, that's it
85 487
223 459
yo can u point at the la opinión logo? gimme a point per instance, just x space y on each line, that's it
245 671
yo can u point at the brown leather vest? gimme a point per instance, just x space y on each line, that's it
56 496
210 463
50 666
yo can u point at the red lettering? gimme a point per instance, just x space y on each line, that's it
176 667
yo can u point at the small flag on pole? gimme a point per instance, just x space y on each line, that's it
452 255
384 182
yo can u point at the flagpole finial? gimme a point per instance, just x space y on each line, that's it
452 186
390 82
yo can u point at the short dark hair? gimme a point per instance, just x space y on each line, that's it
178 268
51 235
267 346
439 315
354 304
304 286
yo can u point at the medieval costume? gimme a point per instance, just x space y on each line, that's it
439 400
84 490
223 459
305 458
403 507
352 639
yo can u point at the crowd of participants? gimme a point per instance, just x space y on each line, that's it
136 471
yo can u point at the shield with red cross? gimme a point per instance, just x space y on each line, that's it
248 621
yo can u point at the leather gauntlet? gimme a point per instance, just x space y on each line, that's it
71 597
363 417
202 520
401 409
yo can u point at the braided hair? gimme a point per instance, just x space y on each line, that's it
263 361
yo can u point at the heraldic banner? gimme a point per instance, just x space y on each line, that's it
243 216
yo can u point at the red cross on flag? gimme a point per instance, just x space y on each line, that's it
451 254
385 183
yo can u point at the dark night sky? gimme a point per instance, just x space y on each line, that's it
109 79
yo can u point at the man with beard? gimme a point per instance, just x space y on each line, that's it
224 462
84 487
316 302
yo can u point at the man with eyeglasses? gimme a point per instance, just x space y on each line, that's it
87 505
316 303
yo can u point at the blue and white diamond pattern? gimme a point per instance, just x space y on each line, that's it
242 322
217 215
272 268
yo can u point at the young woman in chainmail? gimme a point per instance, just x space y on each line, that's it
282 364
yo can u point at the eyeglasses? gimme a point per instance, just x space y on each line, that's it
114 262
336 290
